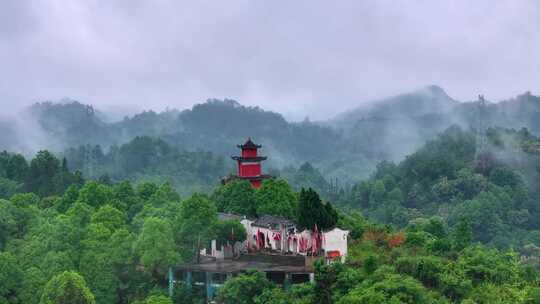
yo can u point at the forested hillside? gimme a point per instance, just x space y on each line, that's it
495 189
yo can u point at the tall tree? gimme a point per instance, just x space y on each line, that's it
66 288
311 211
462 234
155 246
43 168
244 288
195 225
237 196
276 197
10 278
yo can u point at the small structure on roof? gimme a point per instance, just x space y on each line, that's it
249 164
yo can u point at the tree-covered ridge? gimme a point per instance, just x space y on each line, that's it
44 175
347 147
496 189
151 159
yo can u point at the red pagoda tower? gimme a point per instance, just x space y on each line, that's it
249 164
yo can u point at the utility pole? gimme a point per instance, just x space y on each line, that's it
480 128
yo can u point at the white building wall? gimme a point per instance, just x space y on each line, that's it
336 240
333 240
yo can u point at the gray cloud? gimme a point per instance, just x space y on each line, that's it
297 57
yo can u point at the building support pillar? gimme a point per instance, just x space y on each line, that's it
187 279
312 278
288 281
209 287
171 282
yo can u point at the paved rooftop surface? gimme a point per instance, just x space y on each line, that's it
266 263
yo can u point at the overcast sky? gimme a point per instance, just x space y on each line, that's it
300 58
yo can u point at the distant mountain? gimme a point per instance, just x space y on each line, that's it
394 127
347 147
426 101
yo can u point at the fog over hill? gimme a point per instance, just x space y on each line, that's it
347 146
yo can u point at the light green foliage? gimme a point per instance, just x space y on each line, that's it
67 287
276 197
10 278
230 231
352 221
390 289
237 196
195 225
158 300
155 246
273 296
95 194
496 294
462 234
244 289
8 221
533 296
110 217
34 281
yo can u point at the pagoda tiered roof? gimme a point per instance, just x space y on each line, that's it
249 145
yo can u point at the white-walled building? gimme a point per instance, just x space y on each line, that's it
278 235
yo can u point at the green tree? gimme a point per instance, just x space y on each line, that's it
33 283
237 196
66 288
155 246
8 187
311 211
95 194
110 217
462 234
158 300
195 225
243 289
8 222
96 264
43 168
275 197
10 278
230 231
17 168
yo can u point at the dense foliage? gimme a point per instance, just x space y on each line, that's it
450 179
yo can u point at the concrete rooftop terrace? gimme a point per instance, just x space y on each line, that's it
261 262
